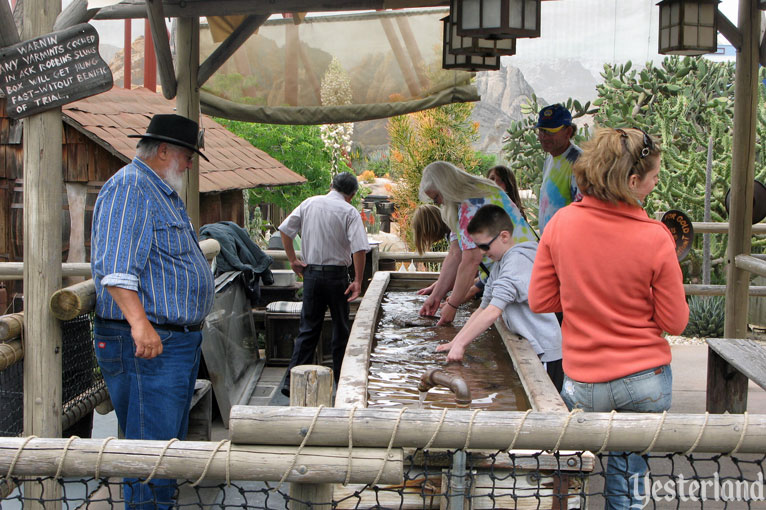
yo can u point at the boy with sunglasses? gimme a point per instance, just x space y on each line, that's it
505 293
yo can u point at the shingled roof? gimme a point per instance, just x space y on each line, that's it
108 118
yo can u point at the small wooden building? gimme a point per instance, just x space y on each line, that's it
96 145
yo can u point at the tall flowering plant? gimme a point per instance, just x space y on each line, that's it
336 90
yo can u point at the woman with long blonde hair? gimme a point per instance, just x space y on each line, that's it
459 195
614 274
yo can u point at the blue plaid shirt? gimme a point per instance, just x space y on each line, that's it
142 240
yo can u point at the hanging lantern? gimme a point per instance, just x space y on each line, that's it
497 18
688 27
459 45
465 62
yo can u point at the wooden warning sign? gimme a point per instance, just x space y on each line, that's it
52 70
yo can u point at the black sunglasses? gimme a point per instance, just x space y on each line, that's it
486 246
645 150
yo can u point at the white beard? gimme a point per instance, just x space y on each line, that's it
174 177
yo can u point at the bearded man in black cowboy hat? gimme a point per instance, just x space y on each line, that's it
153 291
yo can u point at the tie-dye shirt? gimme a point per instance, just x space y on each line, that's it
467 209
559 186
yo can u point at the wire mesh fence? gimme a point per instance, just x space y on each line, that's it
80 377
455 479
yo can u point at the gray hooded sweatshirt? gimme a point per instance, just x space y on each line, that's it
508 289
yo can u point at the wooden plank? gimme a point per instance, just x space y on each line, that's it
726 386
352 386
227 48
539 388
155 11
747 356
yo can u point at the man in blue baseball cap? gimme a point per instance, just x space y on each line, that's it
559 188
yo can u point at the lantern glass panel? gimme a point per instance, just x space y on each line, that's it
674 36
691 12
490 14
691 36
664 38
675 14
515 13
505 44
469 14
707 14
530 14
708 37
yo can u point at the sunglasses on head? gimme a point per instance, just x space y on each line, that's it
486 246
645 150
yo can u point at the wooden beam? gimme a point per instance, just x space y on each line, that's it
729 30
197 8
402 59
75 13
720 290
227 48
495 430
187 103
8 33
750 264
159 31
724 390
43 182
15 270
187 460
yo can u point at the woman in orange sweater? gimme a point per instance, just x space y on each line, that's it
613 271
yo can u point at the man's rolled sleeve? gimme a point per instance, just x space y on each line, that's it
121 280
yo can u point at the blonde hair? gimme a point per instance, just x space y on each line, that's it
428 227
454 185
610 158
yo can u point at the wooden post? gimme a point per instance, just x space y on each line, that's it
128 46
310 386
727 388
43 185
187 101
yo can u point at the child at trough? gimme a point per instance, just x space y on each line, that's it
506 293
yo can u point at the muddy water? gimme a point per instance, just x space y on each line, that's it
406 347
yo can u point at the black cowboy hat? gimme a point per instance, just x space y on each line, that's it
759 201
175 129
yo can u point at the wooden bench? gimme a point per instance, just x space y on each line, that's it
747 356
201 412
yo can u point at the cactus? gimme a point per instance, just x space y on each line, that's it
706 317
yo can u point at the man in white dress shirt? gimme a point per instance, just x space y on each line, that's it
332 234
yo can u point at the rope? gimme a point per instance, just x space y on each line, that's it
470 428
300 448
566 424
438 428
210 461
350 443
699 435
608 432
159 459
390 444
100 455
16 458
741 437
518 430
228 465
63 456
656 433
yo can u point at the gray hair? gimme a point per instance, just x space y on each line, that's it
345 183
147 148
455 185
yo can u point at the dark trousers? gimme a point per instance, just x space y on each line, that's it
323 287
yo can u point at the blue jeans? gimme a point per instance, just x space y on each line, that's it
150 396
648 391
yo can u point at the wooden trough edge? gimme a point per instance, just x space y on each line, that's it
497 430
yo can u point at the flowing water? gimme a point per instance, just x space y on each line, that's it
406 347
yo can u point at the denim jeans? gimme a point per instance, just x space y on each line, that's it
648 391
150 396
322 290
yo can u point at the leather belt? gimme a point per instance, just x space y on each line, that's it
170 327
326 268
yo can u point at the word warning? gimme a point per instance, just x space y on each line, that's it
52 70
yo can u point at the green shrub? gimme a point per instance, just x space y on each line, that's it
706 317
